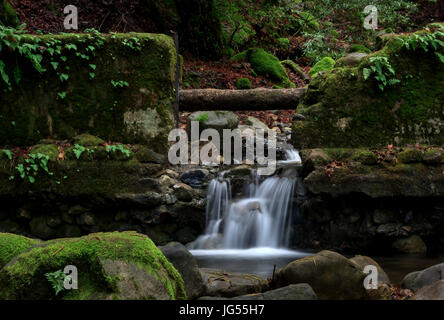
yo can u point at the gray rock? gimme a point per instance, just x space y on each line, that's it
331 275
301 291
231 284
217 120
434 291
420 279
256 123
195 178
187 266
53 221
351 59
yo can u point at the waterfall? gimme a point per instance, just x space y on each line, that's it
262 219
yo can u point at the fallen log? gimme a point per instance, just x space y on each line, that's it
239 100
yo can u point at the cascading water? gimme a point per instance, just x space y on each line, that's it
262 219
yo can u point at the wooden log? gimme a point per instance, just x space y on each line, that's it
239 100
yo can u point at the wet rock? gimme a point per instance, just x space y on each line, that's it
363 261
186 264
433 157
173 174
420 279
412 244
331 275
301 291
383 292
434 291
24 214
230 284
195 178
40 229
242 170
67 218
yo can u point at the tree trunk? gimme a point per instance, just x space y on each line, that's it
236 100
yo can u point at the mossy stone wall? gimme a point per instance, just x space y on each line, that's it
341 109
116 86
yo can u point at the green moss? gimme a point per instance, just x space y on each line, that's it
359 48
410 155
365 157
88 140
140 113
266 64
309 21
24 277
293 66
325 64
12 245
8 16
344 110
284 43
49 150
243 83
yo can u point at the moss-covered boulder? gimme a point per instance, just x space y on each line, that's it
325 64
114 265
410 155
12 245
266 64
116 86
8 16
346 106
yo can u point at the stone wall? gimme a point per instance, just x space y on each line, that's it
346 107
102 189
116 86
387 200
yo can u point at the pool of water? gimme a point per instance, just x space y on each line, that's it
261 261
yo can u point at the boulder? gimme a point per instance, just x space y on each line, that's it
331 275
113 265
195 178
218 120
300 291
412 244
350 60
187 266
12 245
363 261
420 279
40 229
231 284
434 291
255 123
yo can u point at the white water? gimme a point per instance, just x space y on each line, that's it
262 220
